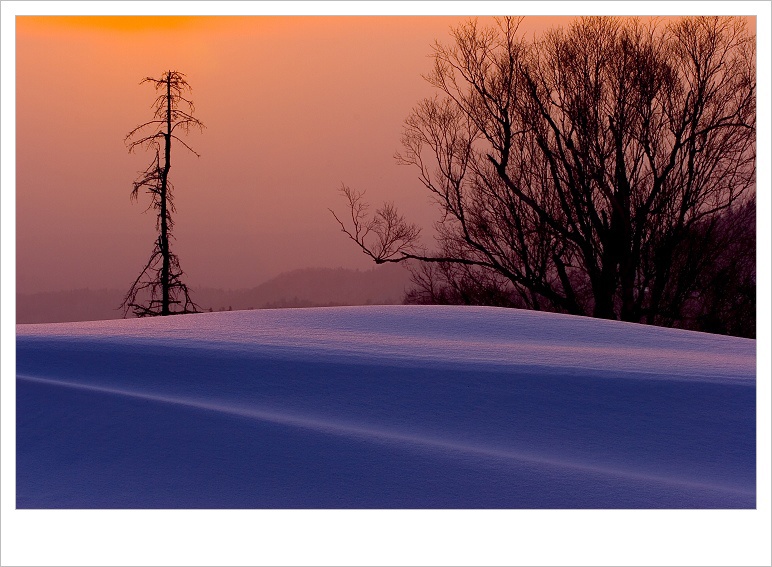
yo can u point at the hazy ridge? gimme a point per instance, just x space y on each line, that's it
305 287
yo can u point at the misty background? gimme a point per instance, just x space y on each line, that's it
293 108
305 287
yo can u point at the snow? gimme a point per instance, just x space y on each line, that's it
383 407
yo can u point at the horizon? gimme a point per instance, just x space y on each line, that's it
303 287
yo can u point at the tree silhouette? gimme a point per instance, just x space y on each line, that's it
160 279
576 172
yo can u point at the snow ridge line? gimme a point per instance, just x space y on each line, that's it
601 362
385 436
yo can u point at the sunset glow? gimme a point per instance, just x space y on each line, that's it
129 24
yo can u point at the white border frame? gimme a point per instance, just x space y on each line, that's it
284 537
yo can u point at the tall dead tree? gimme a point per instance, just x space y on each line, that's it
160 279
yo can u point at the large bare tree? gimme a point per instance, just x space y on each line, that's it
576 171
159 287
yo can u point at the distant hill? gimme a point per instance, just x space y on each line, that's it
315 287
307 287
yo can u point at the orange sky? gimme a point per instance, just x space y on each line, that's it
294 106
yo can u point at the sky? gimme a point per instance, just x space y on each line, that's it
294 106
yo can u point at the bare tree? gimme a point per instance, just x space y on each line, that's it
578 166
160 279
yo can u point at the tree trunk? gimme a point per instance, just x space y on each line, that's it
165 268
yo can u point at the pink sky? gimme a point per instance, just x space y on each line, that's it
294 106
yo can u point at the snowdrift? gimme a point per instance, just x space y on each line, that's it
383 407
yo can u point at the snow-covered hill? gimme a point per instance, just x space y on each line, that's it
383 407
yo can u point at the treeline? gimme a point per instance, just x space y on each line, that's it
723 301
606 168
